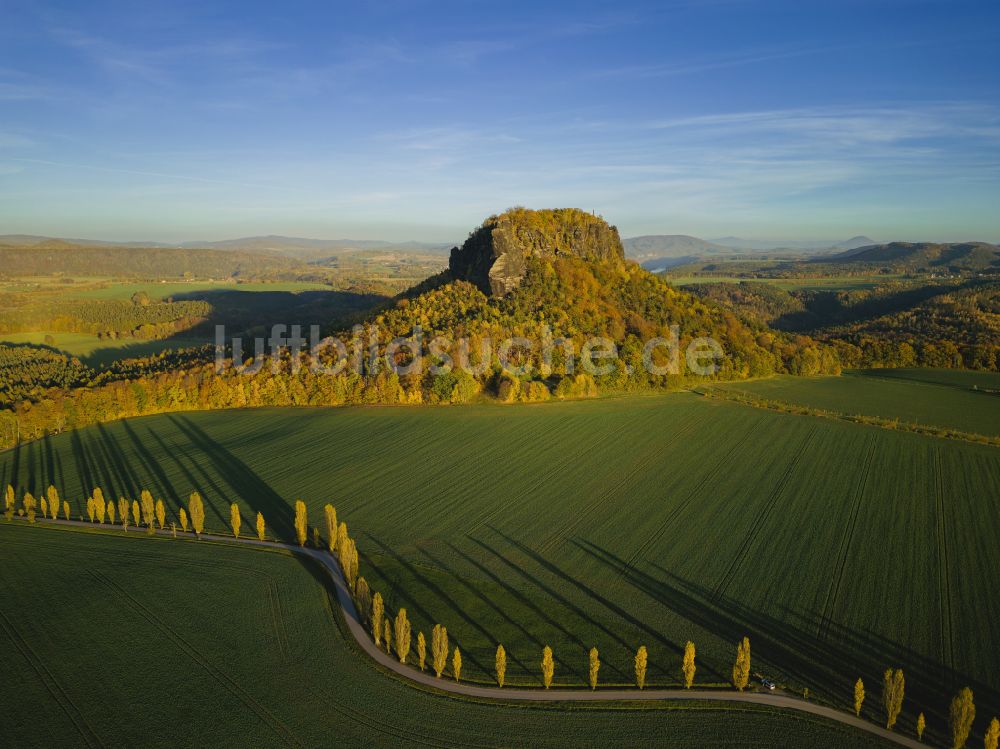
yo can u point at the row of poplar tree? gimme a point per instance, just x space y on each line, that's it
397 634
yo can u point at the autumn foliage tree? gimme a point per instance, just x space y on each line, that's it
148 507
378 611
689 666
197 508
123 512
548 666
992 736
439 649
65 507
301 522
893 686
403 631
260 527
501 664
9 502
54 504
184 519
456 664
330 515
235 521
136 517
922 724
421 648
91 508
111 512
29 507
100 506
641 658
741 668
161 514
595 666
961 714
387 635
859 696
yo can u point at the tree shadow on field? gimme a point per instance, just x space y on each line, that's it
434 588
163 485
242 479
588 591
828 665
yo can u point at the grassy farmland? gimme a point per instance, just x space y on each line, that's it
823 283
107 641
840 549
938 398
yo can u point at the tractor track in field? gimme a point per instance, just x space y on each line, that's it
762 516
49 681
944 578
221 677
829 605
515 695
707 479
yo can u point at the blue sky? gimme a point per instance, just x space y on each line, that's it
403 119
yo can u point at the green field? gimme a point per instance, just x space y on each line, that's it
165 289
136 641
827 283
839 548
97 351
938 398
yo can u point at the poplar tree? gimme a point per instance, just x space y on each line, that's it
501 663
595 666
378 610
123 512
301 522
161 514
342 534
961 714
689 666
197 507
387 635
44 506
859 696
331 526
421 645
100 506
548 666
91 508
456 664
892 695
741 668
439 649
992 736
184 520
922 724
363 597
9 502
234 519
403 632
54 504
66 509
111 513
135 513
641 656
29 507
316 538
260 527
148 506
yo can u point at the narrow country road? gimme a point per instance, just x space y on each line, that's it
360 633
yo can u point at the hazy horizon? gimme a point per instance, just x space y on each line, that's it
413 121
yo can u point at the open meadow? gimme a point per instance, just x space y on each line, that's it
114 640
840 549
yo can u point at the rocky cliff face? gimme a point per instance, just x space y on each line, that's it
495 255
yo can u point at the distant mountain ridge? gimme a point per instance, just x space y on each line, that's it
930 256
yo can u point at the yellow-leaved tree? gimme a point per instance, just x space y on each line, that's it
595 666
641 658
859 696
65 509
961 714
235 521
29 507
501 664
8 502
456 664
148 507
892 695
136 518
992 736
330 514
387 635
421 644
439 649
548 666
44 506
123 512
402 636
100 506
161 513
363 597
689 666
378 611
184 519
741 668
54 504
197 507
260 527
922 725
91 508
111 513
301 522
